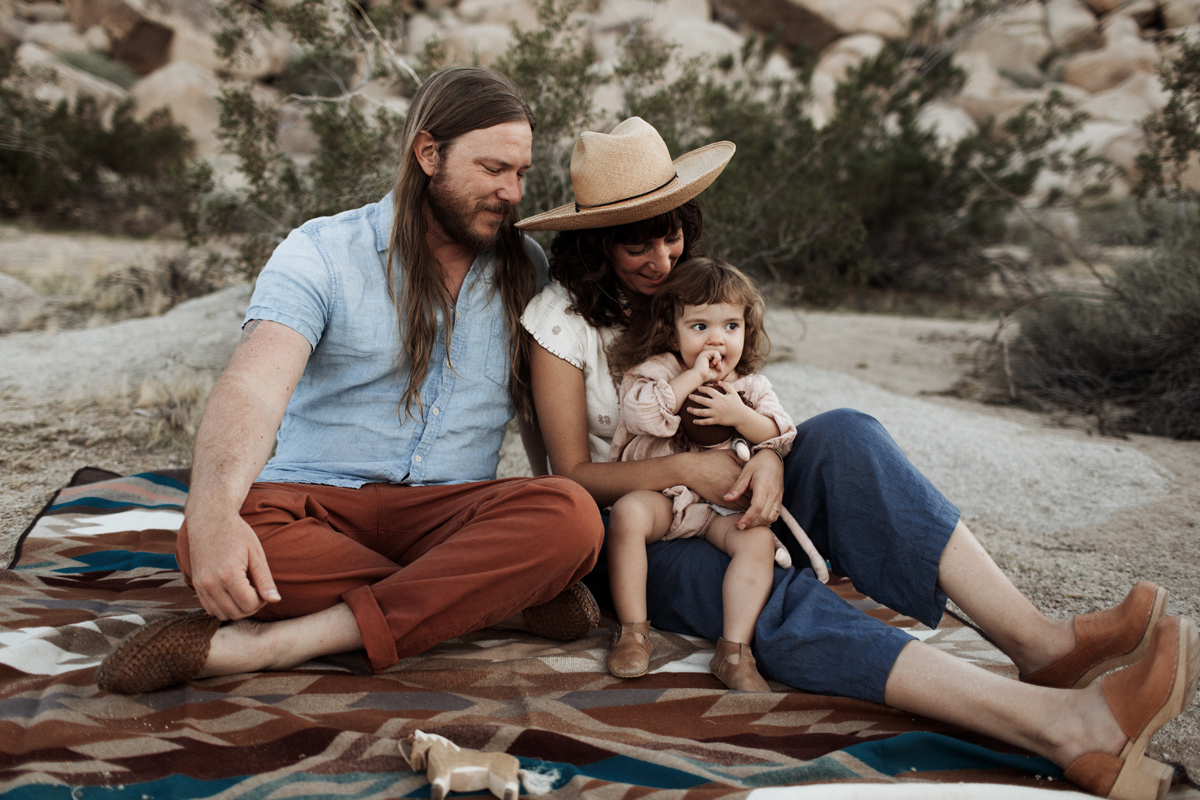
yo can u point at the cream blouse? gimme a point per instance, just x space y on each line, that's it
569 336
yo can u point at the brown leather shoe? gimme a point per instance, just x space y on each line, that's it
631 649
735 667
1144 697
1106 640
567 617
161 654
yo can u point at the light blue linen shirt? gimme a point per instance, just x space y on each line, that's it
343 427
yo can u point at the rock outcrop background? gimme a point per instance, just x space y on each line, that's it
1100 54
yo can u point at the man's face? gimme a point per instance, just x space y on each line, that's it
476 185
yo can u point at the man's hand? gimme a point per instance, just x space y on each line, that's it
762 480
229 570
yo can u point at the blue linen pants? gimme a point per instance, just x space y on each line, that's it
877 520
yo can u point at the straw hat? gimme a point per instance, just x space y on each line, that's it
628 175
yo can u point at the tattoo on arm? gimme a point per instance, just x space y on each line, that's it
249 329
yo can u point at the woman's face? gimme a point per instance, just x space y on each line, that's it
642 267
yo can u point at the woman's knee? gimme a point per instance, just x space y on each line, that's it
839 427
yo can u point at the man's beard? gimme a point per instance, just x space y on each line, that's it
454 214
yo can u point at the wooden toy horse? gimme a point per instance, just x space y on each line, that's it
450 768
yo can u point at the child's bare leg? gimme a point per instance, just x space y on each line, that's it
636 519
748 579
743 594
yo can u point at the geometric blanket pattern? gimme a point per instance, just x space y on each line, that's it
99 561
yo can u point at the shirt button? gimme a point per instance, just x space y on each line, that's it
436 412
417 459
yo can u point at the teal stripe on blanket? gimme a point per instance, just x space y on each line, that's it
176 787
161 480
120 560
100 502
921 751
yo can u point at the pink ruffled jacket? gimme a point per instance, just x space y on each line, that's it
648 425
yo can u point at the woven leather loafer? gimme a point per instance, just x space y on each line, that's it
567 617
161 654
1106 640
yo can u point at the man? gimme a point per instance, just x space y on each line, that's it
382 351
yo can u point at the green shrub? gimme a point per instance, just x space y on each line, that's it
1130 358
870 199
101 66
65 164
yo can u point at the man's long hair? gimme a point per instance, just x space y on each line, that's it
449 104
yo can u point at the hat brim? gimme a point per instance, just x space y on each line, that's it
694 171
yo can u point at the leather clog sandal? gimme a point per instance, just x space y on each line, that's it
1106 640
159 655
1143 697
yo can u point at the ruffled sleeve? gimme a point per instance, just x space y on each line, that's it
553 327
648 400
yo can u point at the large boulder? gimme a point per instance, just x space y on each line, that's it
1015 42
1124 54
19 304
267 57
950 124
138 40
190 94
484 42
816 24
986 93
499 12
1130 102
37 12
658 17
57 37
71 83
831 69
1071 25
1179 13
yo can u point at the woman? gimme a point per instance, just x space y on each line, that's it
867 509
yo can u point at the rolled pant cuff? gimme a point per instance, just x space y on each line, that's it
373 627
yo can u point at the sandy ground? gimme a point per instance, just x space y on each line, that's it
919 369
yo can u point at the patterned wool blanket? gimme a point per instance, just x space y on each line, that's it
98 561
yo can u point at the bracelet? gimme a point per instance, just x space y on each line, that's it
776 452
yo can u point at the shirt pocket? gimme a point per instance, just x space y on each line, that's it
496 365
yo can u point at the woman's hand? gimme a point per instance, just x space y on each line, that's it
762 479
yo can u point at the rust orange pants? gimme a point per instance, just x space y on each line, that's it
420 564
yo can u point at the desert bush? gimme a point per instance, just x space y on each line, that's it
1130 355
68 164
138 291
1173 136
101 66
1129 358
870 199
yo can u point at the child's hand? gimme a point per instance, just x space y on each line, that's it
708 366
711 407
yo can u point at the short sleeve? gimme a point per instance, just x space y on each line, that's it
554 328
296 288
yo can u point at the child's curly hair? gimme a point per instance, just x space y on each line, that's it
695 282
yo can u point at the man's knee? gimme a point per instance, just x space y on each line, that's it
573 518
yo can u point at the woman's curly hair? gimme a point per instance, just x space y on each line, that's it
581 260
696 282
